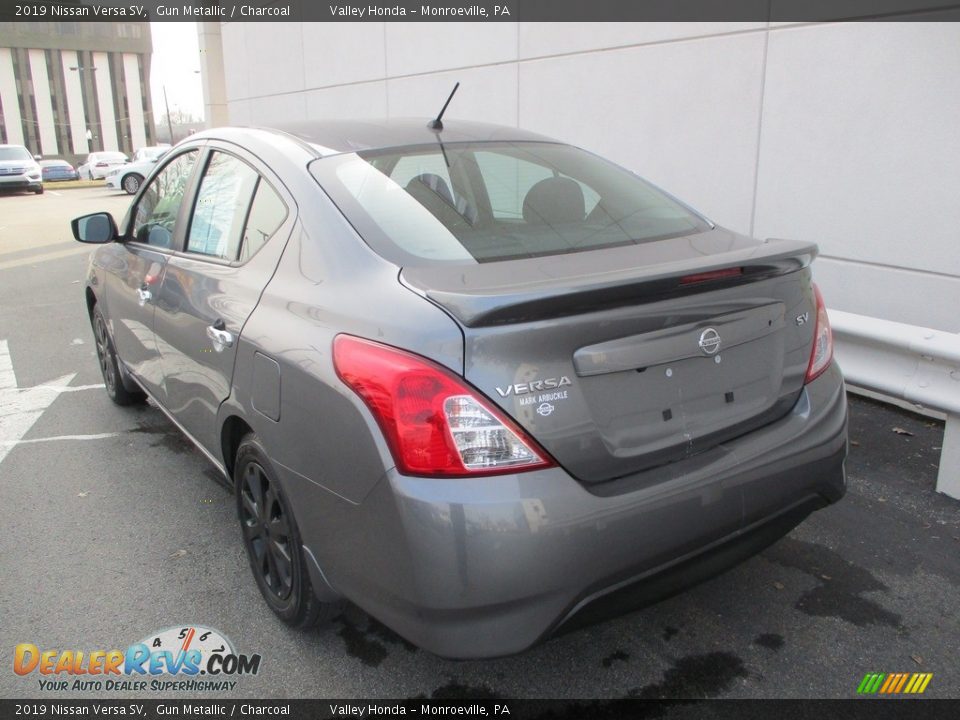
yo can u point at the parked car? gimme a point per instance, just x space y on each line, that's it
151 152
479 382
130 176
56 170
19 169
98 164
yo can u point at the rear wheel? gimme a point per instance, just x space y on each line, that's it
272 539
109 368
131 183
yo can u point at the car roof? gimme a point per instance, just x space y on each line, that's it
331 137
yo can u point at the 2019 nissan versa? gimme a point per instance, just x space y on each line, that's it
481 383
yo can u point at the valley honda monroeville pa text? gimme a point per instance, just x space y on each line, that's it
481 383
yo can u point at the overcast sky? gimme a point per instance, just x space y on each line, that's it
176 55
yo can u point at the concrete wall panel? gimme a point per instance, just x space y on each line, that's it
341 53
413 48
683 115
543 39
363 100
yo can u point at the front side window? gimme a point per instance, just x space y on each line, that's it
221 207
236 211
156 214
492 201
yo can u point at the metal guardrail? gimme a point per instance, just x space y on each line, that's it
918 365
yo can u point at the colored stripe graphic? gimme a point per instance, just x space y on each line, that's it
890 682
894 683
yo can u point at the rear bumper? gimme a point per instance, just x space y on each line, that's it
486 567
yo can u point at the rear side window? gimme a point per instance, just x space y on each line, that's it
267 213
159 205
493 201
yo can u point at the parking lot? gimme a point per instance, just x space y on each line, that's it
115 527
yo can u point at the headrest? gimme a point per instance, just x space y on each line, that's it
554 201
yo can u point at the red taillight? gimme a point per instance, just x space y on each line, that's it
822 352
712 275
434 423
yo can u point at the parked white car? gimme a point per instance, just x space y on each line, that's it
151 152
129 177
19 169
98 164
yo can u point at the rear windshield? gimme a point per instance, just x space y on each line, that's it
14 153
492 201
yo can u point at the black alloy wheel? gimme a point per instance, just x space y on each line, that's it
109 368
272 539
266 531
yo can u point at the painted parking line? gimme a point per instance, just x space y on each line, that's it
42 257
56 438
70 388
20 407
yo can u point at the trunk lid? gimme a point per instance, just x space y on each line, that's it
622 359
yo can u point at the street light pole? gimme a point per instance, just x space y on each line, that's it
167 106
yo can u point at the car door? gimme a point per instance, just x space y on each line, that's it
136 271
211 287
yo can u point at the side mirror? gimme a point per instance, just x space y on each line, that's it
96 228
38 158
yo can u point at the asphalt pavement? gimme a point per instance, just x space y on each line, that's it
115 527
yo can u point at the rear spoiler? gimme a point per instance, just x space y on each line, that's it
554 286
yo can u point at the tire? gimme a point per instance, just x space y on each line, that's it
39 190
107 356
272 539
131 183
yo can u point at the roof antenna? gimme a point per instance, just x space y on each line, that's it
437 124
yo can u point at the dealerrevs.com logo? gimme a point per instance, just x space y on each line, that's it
187 658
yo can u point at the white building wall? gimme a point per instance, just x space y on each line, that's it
845 134
74 92
13 121
131 77
108 117
41 94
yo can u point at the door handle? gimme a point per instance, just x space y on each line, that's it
144 296
221 338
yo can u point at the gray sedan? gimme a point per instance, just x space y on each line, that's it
481 383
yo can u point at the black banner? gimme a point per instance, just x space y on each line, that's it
476 10
855 709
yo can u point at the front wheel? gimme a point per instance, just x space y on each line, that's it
39 190
108 364
131 183
272 539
